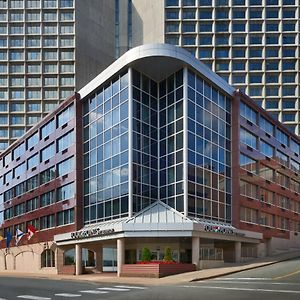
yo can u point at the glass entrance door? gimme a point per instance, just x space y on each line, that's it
109 260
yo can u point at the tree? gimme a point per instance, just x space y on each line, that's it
146 254
168 255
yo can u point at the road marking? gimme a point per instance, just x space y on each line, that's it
251 282
67 295
31 297
243 289
114 289
93 292
287 275
130 287
245 278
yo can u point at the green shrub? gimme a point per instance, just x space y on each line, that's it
146 254
168 255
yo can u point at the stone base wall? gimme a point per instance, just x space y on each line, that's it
278 245
26 258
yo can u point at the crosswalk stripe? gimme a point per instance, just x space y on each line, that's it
31 297
93 292
67 295
114 289
249 282
243 289
246 278
130 287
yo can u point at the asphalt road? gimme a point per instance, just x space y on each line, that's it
276 282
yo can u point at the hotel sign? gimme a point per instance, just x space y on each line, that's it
218 229
91 232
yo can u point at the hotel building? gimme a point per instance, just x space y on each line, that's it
252 44
47 52
156 151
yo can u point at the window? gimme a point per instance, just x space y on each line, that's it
49 16
288 26
33 55
248 113
294 186
33 161
47 222
248 163
266 173
248 138
266 219
267 196
255 52
67 42
272 27
65 116
248 189
48 129
47 175
47 152
14 107
295 147
266 149
282 137
18 151
50 42
19 170
66 141
50 29
266 125
32 204
32 140
288 117
188 27
66 167
33 29
65 192
66 16
33 16
238 40
32 183
254 26
282 179
65 217
255 39
47 198
48 259
282 158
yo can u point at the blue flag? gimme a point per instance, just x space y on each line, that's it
8 238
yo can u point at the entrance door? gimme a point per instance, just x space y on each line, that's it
109 260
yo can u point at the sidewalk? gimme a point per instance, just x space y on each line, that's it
175 279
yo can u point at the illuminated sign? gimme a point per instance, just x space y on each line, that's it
90 233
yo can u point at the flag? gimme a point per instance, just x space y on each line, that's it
9 237
30 231
19 235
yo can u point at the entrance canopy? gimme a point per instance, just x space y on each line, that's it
157 220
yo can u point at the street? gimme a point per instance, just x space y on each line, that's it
277 281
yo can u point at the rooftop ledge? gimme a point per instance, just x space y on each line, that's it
157 61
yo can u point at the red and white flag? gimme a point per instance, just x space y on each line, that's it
30 231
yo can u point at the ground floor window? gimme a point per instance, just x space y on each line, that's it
69 257
48 258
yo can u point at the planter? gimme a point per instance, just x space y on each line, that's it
155 270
